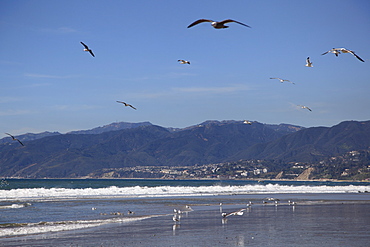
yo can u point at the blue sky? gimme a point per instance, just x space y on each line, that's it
48 83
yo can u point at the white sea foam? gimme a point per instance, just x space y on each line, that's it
47 227
165 191
14 205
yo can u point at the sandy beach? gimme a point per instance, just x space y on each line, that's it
316 220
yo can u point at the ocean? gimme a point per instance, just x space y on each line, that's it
124 212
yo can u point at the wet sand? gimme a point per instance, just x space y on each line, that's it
309 223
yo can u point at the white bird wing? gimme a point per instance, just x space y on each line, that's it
308 62
239 212
229 214
281 80
305 107
331 50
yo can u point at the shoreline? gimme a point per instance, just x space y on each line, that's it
198 179
320 223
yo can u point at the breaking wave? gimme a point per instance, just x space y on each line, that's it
17 229
171 191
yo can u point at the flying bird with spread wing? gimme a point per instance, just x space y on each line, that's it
247 122
281 80
216 24
239 212
308 62
126 104
338 51
87 49
15 139
183 61
305 107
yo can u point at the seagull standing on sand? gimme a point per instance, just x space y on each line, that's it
281 80
216 24
305 107
308 62
177 211
291 202
272 199
87 49
176 216
183 61
15 139
338 51
126 104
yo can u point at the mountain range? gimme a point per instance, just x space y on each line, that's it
117 145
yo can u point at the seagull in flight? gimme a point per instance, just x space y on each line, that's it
291 202
304 107
282 80
335 51
183 61
15 139
247 122
126 104
239 212
338 51
87 49
216 24
308 62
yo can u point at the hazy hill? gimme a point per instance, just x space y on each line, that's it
72 155
76 155
29 136
313 144
111 127
207 143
